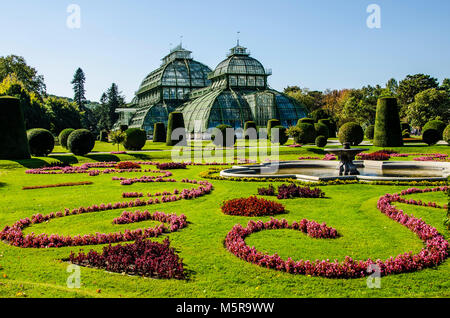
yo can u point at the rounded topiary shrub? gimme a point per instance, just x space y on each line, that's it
446 134
322 130
388 132
281 137
304 134
370 132
270 124
63 135
159 132
13 137
321 141
135 139
437 125
250 130
176 123
351 132
81 142
306 121
41 142
431 136
223 135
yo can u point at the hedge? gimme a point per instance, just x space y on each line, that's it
226 134
81 142
159 132
322 130
13 140
388 132
175 121
331 126
306 134
351 132
437 125
41 142
306 121
135 139
321 141
431 136
282 136
104 136
250 125
446 134
63 135
270 124
370 132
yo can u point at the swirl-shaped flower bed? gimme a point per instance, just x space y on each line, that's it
14 234
434 252
252 206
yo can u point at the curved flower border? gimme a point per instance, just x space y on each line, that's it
435 252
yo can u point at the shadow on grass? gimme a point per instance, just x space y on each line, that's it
69 159
31 163
102 157
2 184
140 156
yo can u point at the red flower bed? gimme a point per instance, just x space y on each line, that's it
127 165
433 254
270 191
252 206
142 258
171 165
378 156
292 191
68 184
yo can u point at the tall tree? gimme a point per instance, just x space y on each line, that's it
428 105
27 75
115 100
411 86
78 88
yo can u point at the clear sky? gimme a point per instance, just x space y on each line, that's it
317 44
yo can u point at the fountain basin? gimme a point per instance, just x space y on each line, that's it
319 170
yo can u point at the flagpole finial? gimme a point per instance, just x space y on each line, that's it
238 33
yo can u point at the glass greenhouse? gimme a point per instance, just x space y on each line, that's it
235 92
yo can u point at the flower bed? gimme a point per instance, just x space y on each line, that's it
67 184
14 234
142 258
292 191
434 252
252 206
377 155
171 165
127 165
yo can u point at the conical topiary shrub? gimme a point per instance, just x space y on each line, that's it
248 133
270 124
13 137
388 131
159 132
176 121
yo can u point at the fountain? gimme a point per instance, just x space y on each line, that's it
346 156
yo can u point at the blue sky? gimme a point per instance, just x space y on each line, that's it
316 44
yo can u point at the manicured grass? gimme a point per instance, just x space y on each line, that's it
214 272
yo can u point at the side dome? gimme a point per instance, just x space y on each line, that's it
239 62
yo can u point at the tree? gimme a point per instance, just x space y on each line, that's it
311 99
411 86
429 105
392 86
117 137
62 113
78 88
446 85
27 75
106 111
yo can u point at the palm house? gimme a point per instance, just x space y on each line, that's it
235 92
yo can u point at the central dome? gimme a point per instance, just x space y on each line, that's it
239 62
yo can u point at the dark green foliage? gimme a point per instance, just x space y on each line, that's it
370 132
306 121
431 136
159 132
13 138
104 136
41 142
388 131
319 114
78 88
406 126
123 128
63 135
270 124
135 139
446 134
321 141
250 125
81 142
282 137
175 121
406 134
306 134
331 126
322 130
223 135
352 133
437 125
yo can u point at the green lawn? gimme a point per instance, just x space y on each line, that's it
214 272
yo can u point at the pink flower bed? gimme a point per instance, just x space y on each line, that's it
14 234
434 252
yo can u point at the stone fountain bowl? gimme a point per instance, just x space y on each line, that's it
320 170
